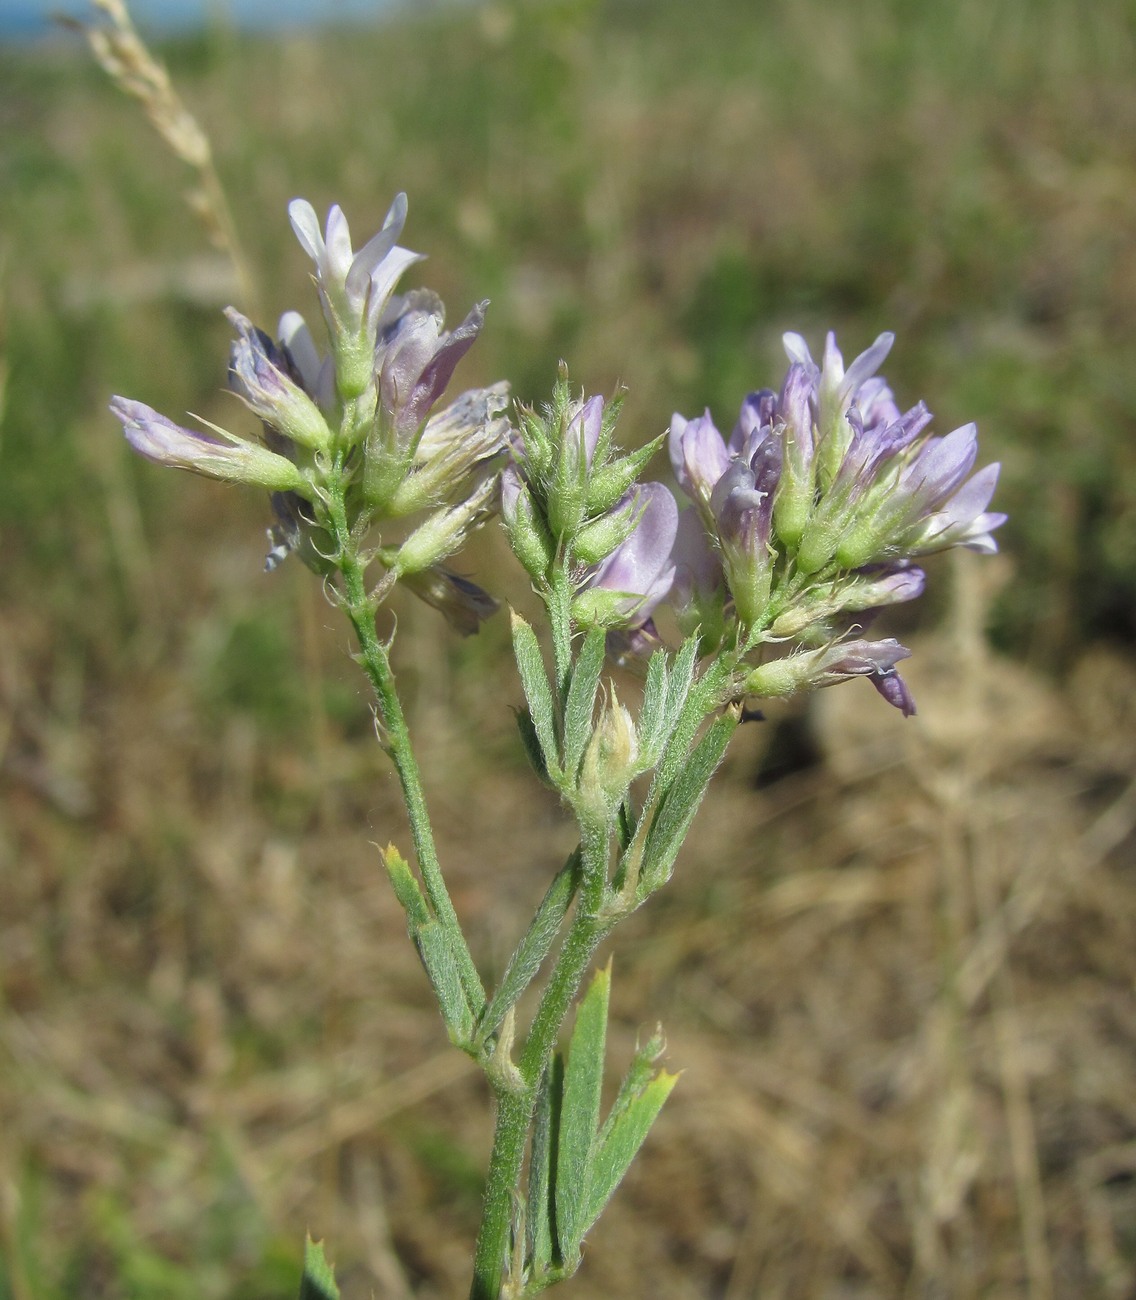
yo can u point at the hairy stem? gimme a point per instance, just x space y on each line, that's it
373 654
515 1108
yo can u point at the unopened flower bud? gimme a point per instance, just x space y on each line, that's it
528 536
444 532
609 759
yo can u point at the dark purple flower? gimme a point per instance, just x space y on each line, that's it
415 360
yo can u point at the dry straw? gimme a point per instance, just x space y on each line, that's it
125 58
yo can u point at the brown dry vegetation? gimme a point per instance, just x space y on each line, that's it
897 963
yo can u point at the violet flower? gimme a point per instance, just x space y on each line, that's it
812 669
259 375
223 457
362 418
624 589
742 507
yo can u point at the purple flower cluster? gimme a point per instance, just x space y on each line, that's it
815 507
365 411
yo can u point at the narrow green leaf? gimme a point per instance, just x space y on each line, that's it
621 1140
533 751
436 951
684 713
580 1113
534 947
639 1074
652 712
678 687
538 1208
580 703
318 1282
534 679
680 803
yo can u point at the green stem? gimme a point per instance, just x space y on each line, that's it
361 611
559 603
515 1108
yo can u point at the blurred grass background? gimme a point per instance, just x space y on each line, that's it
897 960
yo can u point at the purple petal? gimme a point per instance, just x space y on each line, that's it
940 467
702 456
698 565
797 392
974 496
368 258
439 369
757 413
641 566
797 350
159 439
865 365
895 690
587 423
511 484
862 659
977 536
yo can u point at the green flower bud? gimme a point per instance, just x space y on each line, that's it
528 536
609 760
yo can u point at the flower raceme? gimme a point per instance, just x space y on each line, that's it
364 413
815 508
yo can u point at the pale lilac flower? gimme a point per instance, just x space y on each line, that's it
365 412
354 287
626 587
925 503
225 457
836 387
415 359
873 588
940 506
699 456
258 374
